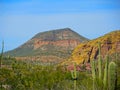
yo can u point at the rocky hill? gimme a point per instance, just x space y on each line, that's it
50 46
110 44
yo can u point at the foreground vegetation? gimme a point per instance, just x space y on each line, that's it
31 75
24 75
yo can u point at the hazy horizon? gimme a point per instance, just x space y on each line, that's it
20 20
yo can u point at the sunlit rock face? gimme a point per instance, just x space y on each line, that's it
110 44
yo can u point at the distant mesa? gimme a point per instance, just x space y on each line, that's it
50 46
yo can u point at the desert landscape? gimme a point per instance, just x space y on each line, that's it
59 45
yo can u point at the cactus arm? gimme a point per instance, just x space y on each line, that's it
74 76
105 79
74 73
93 69
93 73
112 75
100 63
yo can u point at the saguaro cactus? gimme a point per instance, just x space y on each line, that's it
99 62
105 79
109 78
1 55
74 76
93 69
93 73
74 72
112 75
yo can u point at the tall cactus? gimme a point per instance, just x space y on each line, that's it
1 55
99 62
105 79
112 75
109 78
93 73
93 69
74 73
74 76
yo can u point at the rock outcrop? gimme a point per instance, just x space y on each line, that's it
72 43
110 44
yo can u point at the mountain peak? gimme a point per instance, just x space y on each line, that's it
56 44
59 34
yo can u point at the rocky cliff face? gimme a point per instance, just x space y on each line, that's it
110 44
60 38
51 45
72 43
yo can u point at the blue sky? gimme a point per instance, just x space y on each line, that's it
20 20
